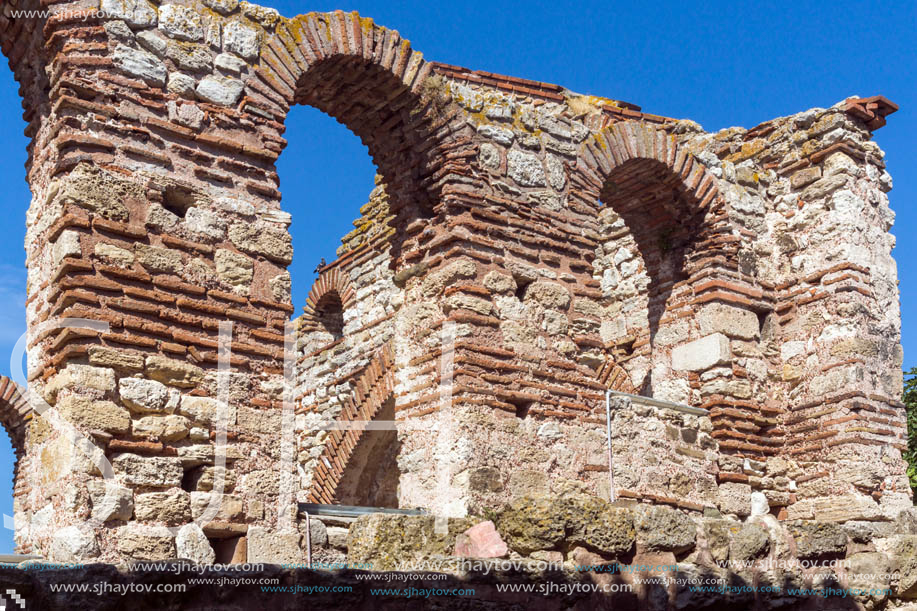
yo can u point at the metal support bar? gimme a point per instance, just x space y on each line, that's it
679 407
353 511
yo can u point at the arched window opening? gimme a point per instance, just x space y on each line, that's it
329 312
371 477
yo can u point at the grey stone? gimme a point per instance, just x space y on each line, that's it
118 30
180 22
281 287
141 64
73 544
162 428
497 134
261 239
318 533
220 90
153 41
234 269
729 320
241 39
702 353
549 294
183 85
489 156
228 507
229 63
273 547
191 544
204 222
660 529
748 543
139 542
823 187
172 507
817 539
525 169
173 372
557 175
189 56
110 501
153 471
67 245
224 7
136 13
387 540
143 395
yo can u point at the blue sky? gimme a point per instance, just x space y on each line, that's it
721 64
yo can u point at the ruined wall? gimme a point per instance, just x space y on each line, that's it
530 248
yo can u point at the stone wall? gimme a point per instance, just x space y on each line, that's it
526 249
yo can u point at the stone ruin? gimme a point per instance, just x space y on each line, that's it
526 249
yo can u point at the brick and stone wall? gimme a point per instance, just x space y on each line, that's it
526 249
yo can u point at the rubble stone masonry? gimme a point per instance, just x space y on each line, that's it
525 250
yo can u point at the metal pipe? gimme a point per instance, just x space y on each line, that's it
679 407
611 459
308 540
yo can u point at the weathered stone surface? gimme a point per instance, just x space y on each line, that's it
499 283
153 471
661 529
748 543
140 64
74 544
183 85
223 7
136 13
145 542
180 22
728 320
162 428
273 243
113 254
273 547
219 90
818 539
386 540
548 294
110 501
702 353
191 544
241 39
144 395
171 508
82 379
229 63
281 287
94 415
234 269
116 359
227 506
173 372
205 410
525 169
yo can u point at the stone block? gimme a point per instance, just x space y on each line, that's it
241 39
181 22
661 529
204 410
702 353
73 544
227 506
818 539
728 320
149 543
173 372
136 13
191 544
162 428
480 541
94 415
140 64
152 471
144 395
110 501
274 547
171 507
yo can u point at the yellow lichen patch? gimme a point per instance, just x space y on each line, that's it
586 104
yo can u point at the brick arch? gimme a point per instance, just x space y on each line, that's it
371 389
670 205
332 283
15 414
371 80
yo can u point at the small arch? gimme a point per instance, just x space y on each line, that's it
15 415
331 295
670 205
371 80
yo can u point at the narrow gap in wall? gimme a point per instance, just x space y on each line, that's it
228 551
326 177
762 319
522 408
177 201
189 480
522 287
